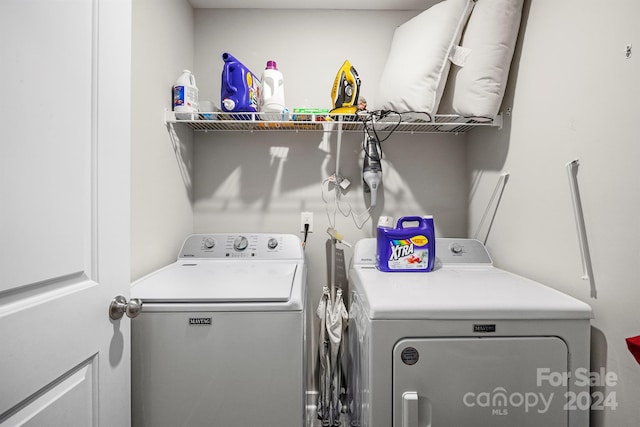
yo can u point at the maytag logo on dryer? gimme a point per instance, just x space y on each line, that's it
484 328
206 321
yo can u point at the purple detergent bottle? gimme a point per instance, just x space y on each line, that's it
239 89
407 248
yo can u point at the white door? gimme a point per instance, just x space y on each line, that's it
64 211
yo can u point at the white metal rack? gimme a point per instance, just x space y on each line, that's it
253 122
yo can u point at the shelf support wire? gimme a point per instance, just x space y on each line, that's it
587 268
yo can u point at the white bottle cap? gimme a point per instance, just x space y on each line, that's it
385 221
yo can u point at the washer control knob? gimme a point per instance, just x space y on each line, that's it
241 243
456 248
209 243
272 243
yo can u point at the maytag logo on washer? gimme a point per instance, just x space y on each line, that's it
200 320
484 328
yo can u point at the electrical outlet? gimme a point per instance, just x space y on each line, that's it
306 218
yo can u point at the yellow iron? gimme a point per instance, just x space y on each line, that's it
345 90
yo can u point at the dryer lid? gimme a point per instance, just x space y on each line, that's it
465 293
218 281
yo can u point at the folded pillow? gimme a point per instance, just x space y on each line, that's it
476 85
418 64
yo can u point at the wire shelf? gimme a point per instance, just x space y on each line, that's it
254 122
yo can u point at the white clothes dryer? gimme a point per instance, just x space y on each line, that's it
467 344
220 340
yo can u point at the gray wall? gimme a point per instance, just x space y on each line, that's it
574 95
161 188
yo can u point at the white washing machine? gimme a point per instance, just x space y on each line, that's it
220 339
465 345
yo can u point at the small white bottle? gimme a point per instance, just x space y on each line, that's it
185 96
272 91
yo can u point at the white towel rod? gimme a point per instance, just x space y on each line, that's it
497 192
587 270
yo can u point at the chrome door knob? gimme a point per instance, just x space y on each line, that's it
119 307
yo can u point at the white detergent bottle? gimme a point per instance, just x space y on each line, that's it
185 96
272 92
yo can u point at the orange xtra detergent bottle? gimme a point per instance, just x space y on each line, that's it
407 248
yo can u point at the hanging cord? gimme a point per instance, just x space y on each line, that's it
356 218
338 205
306 233
371 121
327 182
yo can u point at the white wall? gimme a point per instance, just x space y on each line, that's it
161 189
574 96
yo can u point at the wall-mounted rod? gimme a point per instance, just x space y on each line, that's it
587 270
334 241
497 192
338 148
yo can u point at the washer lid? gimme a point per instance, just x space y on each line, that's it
218 281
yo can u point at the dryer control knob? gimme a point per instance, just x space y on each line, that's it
241 243
456 248
272 243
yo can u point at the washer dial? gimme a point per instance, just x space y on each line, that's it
240 244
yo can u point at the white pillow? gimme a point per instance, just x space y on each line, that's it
476 88
417 66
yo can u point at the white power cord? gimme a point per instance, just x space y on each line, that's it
359 219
